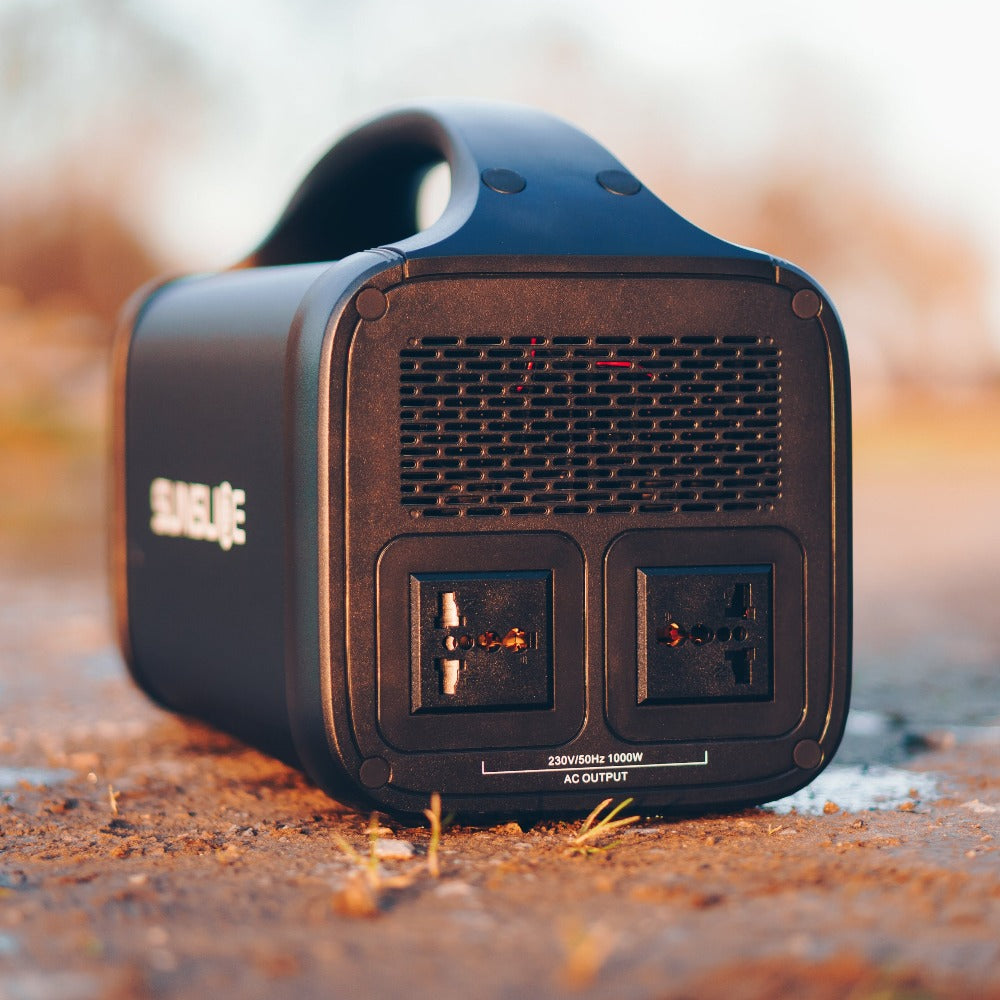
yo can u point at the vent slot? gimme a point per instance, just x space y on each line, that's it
493 426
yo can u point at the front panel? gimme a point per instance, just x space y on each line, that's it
585 516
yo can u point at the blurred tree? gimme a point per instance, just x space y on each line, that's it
76 249
913 287
910 284
92 94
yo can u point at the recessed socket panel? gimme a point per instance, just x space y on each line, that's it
494 653
699 646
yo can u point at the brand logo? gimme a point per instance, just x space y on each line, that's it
194 510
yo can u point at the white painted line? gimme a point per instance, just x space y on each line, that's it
602 767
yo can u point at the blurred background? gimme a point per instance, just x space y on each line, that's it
855 139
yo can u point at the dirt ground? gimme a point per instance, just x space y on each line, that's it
141 855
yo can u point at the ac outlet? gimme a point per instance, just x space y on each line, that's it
523 587
481 641
747 682
704 634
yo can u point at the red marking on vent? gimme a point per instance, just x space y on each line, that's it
530 365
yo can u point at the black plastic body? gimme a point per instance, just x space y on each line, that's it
588 395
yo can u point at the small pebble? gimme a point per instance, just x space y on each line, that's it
390 849
979 807
458 889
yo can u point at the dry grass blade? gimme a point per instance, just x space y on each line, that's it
373 831
594 828
595 812
357 897
434 818
370 863
362 893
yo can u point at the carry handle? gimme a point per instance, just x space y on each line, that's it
522 182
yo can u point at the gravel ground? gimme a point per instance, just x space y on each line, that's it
141 855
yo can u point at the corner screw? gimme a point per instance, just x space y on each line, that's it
808 755
806 304
371 304
374 772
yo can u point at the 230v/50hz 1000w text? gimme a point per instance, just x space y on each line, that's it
595 759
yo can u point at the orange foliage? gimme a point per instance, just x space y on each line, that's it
73 249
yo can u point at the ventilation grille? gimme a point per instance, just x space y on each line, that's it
494 425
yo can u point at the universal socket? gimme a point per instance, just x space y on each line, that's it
704 634
481 641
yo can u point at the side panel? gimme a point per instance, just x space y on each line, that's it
203 475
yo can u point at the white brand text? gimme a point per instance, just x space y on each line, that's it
194 510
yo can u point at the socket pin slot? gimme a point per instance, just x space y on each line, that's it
449 675
448 605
